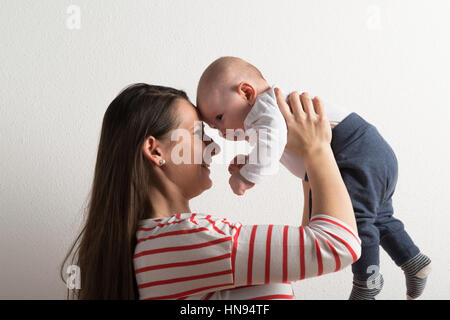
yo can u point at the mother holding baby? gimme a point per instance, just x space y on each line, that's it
140 239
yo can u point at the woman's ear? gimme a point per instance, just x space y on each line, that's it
248 92
153 151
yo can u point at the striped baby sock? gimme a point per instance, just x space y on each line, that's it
366 289
416 272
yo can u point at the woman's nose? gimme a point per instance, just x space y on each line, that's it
216 149
211 146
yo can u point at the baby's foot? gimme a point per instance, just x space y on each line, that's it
416 272
366 289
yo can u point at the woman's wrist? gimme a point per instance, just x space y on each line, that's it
312 154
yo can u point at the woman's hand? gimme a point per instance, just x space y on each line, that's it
309 130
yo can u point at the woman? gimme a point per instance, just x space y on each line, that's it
140 239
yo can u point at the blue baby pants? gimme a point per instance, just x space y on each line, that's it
369 169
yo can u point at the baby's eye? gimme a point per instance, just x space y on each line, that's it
219 117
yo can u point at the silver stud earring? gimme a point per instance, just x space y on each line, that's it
162 162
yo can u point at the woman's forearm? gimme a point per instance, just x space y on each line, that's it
305 218
329 194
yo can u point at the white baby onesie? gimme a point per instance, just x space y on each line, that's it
266 127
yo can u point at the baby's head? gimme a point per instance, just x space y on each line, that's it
227 91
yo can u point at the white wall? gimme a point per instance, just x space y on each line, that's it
386 60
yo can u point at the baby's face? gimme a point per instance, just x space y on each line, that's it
223 111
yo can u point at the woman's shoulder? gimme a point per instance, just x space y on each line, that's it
181 216
187 219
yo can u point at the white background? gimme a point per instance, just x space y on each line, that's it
386 60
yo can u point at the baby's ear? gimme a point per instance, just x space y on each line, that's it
246 90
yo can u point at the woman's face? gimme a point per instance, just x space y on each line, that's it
187 161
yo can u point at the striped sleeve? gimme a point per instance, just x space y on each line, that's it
277 253
192 254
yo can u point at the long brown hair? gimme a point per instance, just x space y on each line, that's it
104 249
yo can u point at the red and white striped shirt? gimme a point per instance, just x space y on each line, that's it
197 256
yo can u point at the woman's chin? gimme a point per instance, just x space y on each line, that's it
205 175
208 184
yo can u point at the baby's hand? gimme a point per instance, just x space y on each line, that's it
236 165
239 184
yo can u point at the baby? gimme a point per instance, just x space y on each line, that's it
233 96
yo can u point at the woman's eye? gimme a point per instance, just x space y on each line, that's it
219 117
